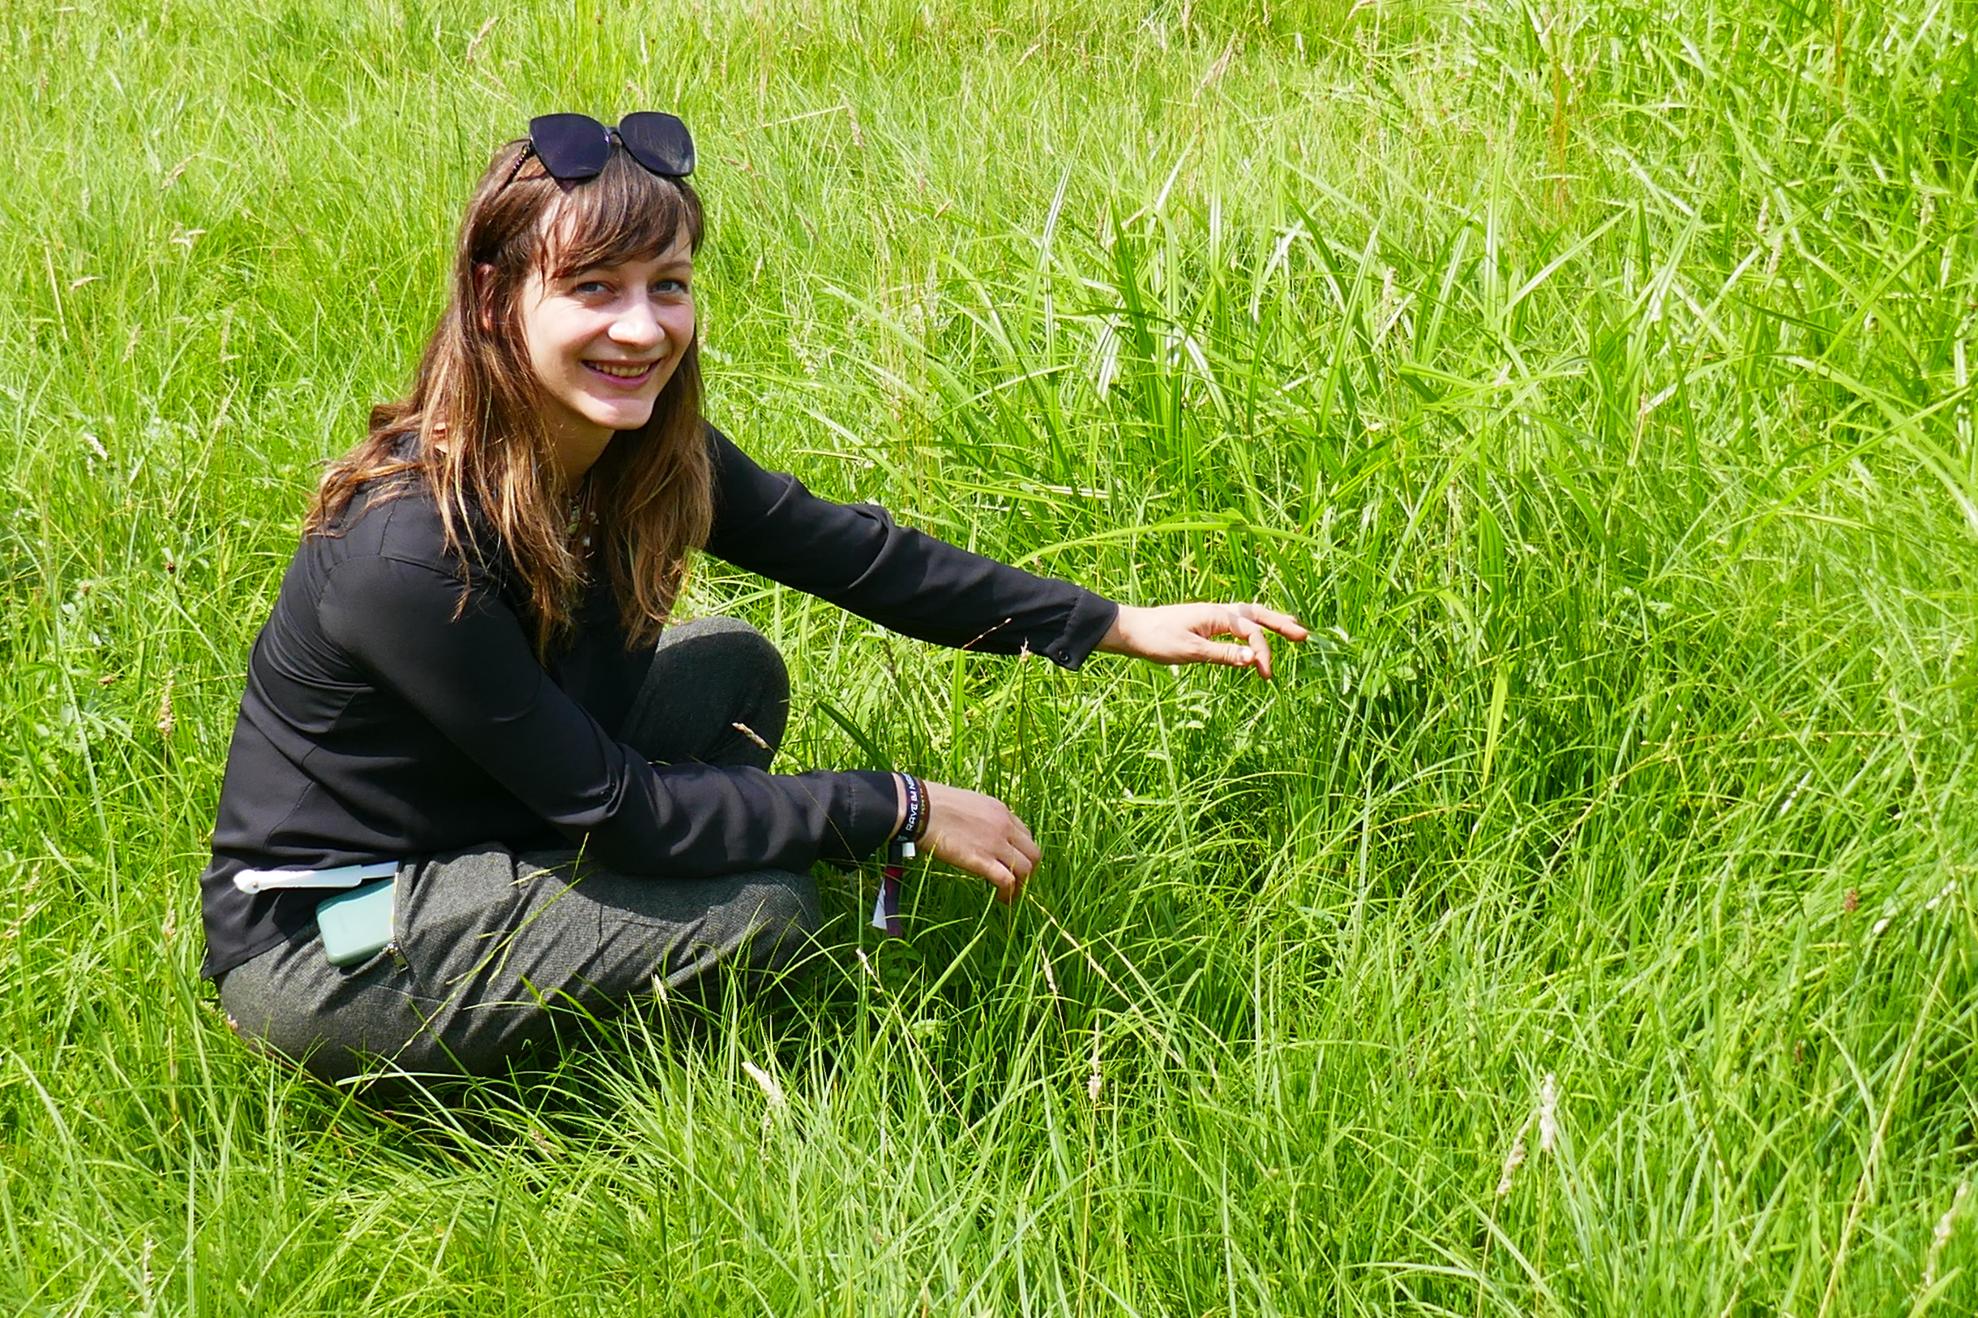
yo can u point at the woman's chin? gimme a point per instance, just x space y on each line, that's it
621 418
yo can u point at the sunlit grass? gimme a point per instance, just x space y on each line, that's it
1595 380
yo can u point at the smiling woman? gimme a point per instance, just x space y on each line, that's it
467 694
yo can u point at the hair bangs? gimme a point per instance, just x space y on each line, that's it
625 213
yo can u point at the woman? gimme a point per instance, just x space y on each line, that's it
464 685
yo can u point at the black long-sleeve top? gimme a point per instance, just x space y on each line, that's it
384 721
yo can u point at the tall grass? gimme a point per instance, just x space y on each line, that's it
1581 922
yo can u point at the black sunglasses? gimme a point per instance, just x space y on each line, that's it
574 147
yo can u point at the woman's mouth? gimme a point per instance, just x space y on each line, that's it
623 375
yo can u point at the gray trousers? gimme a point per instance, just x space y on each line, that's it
497 952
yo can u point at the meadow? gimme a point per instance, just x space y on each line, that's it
1582 922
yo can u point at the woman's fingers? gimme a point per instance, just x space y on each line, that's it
1248 621
1282 623
1022 842
1253 637
1186 634
978 833
1226 620
1221 652
1004 879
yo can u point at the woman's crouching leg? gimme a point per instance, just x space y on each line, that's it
336 1022
499 955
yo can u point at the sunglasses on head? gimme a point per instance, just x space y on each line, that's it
574 147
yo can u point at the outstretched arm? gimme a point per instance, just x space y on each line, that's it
859 558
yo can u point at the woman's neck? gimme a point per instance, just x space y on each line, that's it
576 453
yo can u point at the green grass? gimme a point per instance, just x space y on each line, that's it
1594 378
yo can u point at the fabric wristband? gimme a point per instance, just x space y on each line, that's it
914 826
886 909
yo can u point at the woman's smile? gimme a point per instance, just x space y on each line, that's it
625 375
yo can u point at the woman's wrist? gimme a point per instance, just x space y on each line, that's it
1114 641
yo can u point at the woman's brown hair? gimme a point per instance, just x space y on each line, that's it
475 410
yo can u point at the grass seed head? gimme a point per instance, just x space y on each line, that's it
767 1083
1513 1161
1941 1236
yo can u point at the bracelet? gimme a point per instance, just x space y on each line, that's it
914 826
886 910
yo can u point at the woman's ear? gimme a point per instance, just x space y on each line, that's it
484 281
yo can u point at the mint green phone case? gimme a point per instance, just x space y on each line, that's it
356 924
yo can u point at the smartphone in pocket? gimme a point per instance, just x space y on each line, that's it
357 924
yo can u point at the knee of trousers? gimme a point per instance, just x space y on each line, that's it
271 1024
735 669
782 913
740 646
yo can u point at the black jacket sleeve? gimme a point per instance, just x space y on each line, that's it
855 556
475 678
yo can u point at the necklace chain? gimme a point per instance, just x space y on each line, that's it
582 520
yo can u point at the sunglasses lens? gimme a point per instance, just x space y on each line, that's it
571 146
658 141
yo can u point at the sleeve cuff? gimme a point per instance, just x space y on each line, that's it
872 805
1091 618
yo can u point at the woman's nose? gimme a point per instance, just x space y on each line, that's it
638 325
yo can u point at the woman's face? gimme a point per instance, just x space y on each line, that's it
604 341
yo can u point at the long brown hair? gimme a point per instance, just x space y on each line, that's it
475 411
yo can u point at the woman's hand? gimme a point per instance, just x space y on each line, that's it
979 834
1181 634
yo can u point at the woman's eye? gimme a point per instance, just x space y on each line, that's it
670 287
588 287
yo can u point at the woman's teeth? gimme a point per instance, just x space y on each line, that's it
621 370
